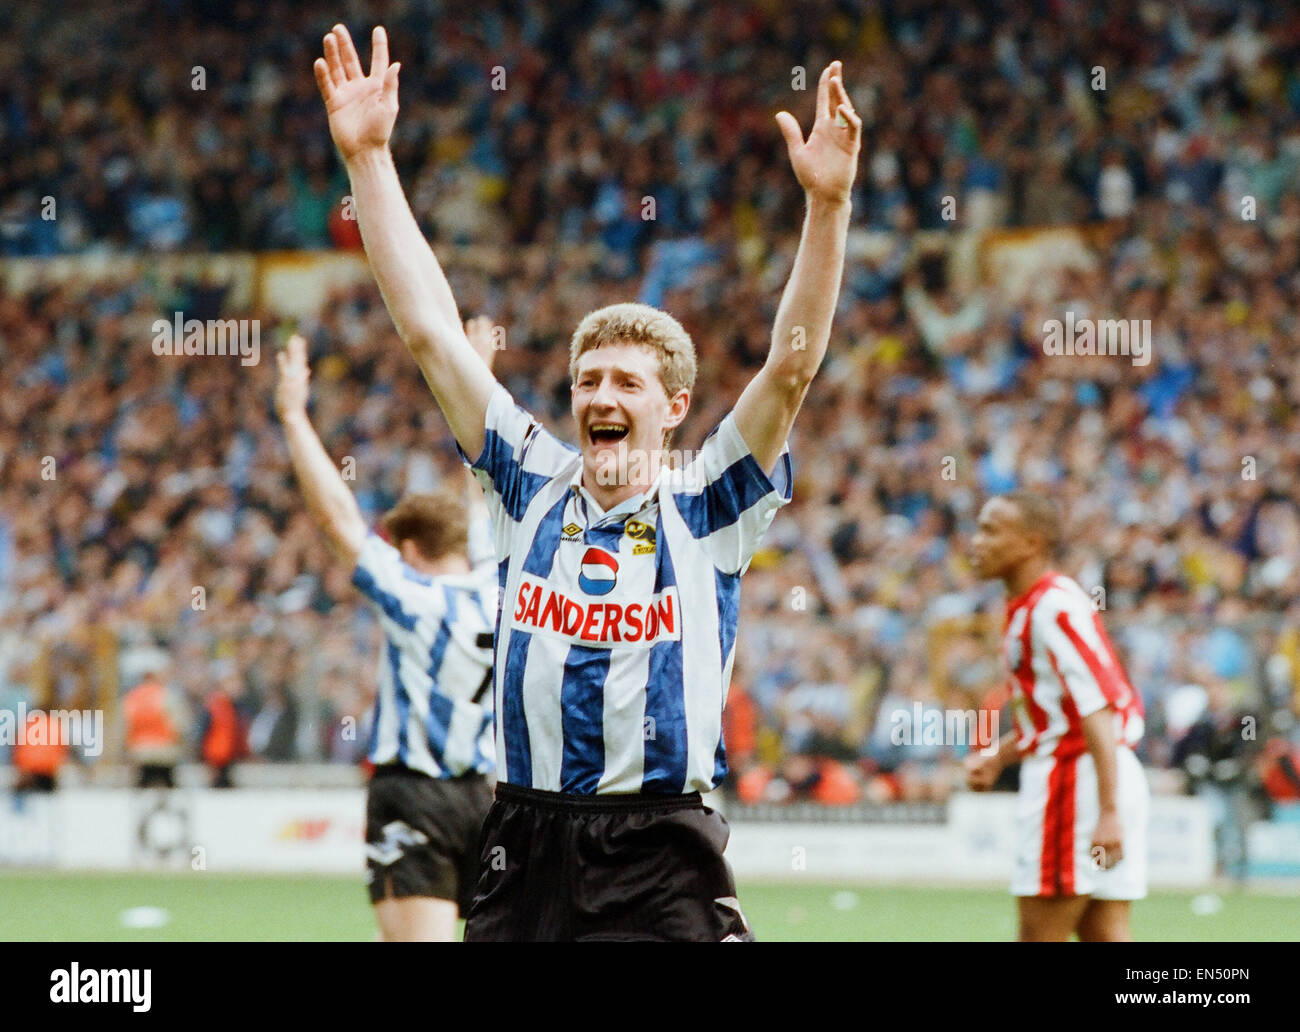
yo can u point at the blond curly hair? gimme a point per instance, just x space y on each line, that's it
632 323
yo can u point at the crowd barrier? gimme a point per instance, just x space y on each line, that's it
969 840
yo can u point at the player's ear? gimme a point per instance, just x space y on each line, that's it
678 405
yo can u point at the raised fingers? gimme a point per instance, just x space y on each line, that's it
844 107
348 53
789 127
323 81
333 60
824 91
379 52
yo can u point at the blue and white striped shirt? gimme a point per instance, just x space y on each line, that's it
615 640
432 665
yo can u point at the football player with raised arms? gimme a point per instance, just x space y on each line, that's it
433 591
619 578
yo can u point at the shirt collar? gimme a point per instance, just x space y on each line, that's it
624 508
1037 586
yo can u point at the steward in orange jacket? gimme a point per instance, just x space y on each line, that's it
153 732
38 754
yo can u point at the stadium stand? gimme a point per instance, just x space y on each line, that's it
1181 477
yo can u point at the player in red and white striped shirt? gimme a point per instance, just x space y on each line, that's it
1082 814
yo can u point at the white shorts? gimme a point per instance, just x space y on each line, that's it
1056 814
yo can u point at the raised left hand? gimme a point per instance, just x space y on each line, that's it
826 163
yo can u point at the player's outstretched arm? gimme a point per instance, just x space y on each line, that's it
478 331
825 165
328 499
362 110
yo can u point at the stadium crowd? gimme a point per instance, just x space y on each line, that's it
1180 479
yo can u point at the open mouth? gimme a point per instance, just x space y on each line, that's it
607 433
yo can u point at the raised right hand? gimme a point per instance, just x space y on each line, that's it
291 387
479 330
361 108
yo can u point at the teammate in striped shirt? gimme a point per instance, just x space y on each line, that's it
620 578
1082 811
431 731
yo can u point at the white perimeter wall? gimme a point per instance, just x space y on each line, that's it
321 831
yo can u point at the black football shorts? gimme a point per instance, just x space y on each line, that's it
422 834
560 868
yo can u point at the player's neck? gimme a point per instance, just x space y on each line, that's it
609 496
1026 575
448 566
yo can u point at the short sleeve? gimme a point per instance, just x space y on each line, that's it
385 581
1080 654
519 458
725 498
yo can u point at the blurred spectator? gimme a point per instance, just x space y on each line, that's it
220 735
154 728
1280 771
274 731
38 754
1215 755
740 726
1115 189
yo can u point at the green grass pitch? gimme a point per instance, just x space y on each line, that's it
45 906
